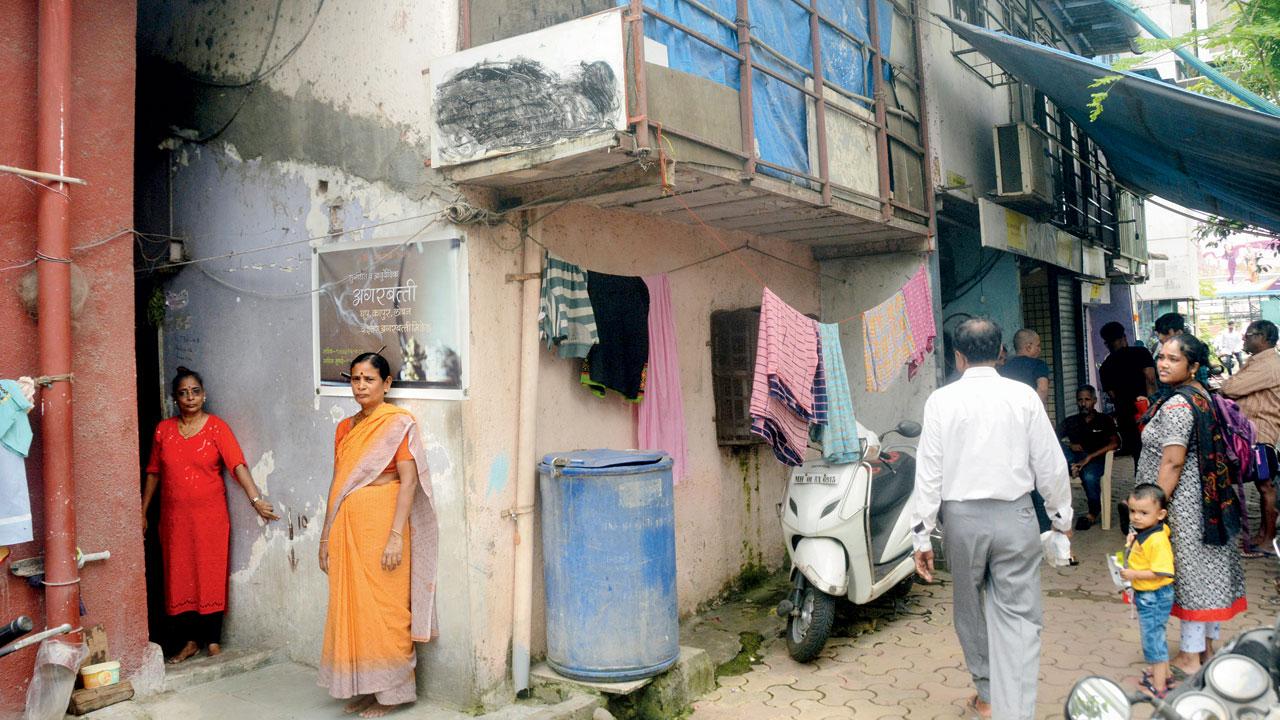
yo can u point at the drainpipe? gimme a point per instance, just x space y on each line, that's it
53 275
526 463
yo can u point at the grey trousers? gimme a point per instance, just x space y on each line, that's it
994 552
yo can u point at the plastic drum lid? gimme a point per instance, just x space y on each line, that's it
604 461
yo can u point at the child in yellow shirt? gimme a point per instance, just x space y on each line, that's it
1149 567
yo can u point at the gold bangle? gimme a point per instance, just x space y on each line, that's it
256 500
397 532
324 542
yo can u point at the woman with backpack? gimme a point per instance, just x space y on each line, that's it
1184 452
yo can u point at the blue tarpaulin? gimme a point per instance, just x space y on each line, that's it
779 110
1194 150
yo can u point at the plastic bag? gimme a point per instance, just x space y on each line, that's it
1057 548
57 663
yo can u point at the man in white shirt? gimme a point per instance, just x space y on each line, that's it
987 443
1230 347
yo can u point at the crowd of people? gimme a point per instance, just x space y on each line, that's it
995 479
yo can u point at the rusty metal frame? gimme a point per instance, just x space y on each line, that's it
747 46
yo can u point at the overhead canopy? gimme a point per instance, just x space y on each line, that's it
1191 149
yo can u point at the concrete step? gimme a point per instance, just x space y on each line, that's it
661 697
204 669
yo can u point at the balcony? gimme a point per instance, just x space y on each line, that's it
788 119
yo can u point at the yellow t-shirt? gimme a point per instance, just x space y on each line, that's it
1151 550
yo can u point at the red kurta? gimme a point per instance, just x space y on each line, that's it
194 524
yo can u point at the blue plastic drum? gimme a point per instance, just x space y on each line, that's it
609 562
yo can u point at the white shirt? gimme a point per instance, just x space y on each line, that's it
986 437
1230 342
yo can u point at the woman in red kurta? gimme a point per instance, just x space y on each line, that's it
188 454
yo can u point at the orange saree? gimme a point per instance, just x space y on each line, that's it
376 615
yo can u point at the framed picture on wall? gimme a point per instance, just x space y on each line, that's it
407 296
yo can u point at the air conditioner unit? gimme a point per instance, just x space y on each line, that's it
1023 180
1131 227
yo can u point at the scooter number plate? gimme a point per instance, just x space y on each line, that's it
815 479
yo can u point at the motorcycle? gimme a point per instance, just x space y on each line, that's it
1239 682
848 535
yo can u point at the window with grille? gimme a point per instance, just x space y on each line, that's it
733 360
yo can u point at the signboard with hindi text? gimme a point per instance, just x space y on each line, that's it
405 297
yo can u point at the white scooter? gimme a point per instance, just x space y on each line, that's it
848 534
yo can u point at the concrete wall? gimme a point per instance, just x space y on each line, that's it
105 462
868 281
962 111
335 139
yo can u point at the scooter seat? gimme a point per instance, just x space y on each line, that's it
892 481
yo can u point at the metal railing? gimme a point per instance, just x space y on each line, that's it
745 54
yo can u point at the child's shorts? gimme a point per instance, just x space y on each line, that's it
1153 615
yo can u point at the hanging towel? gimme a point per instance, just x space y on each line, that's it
887 342
919 299
660 416
15 442
839 437
786 391
15 429
565 317
617 361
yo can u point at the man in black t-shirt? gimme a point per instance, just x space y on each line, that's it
1127 374
1089 435
1026 366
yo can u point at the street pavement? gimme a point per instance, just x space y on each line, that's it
904 661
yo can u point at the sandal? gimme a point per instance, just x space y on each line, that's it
1151 689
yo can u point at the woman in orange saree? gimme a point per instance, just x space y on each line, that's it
378 547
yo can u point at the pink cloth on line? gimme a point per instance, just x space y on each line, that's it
919 299
787 352
787 349
887 342
660 415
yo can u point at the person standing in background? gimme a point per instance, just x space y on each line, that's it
1256 387
1127 374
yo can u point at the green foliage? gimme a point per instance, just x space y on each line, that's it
1096 99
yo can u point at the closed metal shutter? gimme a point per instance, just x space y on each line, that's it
1066 376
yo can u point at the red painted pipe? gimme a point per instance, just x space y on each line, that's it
53 274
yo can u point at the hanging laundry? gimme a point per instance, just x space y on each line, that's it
565 317
839 437
786 394
660 416
617 362
919 298
886 337
15 442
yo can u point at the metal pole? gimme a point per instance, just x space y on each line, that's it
53 276
927 156
640 117
820 102
464 24
745 107
882 126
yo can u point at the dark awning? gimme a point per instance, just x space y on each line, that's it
1191 149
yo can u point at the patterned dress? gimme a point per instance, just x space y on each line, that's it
1208 579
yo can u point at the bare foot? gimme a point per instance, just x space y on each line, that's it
377 710
187 651
214 649
977 706
357 704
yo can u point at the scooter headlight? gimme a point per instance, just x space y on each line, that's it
1199 706
1237 678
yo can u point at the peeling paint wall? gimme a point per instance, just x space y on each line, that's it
334 141
105 460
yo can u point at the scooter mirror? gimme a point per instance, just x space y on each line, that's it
1097 698
909 428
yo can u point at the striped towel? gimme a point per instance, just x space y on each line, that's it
886 337
786 394
919 299
839 437
565 318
